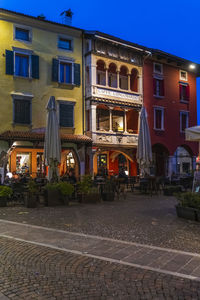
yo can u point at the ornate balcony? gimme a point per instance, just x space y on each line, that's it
115 138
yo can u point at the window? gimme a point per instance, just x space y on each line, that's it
23 63
158 68
184 118
118 120
159 118
158 87
183 75
123 78
22 33
22 111
65 72
64 43
66 114
102 118
184 91
102 160
101 72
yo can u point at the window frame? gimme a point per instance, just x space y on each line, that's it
162 118
24 52
66 61
24 97
184 112
66 102
154 69
186 85
66 38
24 27
182 78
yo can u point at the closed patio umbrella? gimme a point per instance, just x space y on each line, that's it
52 144
144 151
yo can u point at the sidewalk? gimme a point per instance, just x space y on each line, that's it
162 260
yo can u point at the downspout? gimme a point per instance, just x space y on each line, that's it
83 85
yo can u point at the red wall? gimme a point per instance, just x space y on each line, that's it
171 137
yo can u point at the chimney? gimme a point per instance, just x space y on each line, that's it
66 16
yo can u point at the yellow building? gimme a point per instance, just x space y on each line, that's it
39 59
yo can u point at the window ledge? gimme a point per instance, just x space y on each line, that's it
23 41
66 84
159 129
66 50
159 97
22 124
22 77
184 101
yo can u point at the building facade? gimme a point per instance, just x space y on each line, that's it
171 103
114 97
39 59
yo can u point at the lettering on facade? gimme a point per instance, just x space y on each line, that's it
117 94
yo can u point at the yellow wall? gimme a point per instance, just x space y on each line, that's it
44 44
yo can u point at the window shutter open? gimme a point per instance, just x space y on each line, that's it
55 64
154 86
180 91
35 66
22 111
77 79
188 92
66 115
9 62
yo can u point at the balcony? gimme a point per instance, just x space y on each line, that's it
115 138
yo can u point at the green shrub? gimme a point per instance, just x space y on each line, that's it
189 199
85 185
32 187
172 189
5 191
65 188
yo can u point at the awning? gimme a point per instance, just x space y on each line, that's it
192 134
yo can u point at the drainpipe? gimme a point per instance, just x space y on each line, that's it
83 83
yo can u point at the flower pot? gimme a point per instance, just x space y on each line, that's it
186 213
3 201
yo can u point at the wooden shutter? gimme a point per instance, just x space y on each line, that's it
66 115
9 62
22 111
77 79
55 64
35 66
188 92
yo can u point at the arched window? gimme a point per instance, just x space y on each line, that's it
112 75
103 118
183 160
101 72
123 78
134 80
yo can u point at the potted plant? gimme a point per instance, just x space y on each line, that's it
188 206
87 193
5 194
108 191
66 190
31 195
52 194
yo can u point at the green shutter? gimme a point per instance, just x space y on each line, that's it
22 112
55 70
9 62
77 79
66 115
35 66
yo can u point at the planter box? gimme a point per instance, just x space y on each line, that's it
91 198
53 198
108 196
3 201
198 215
30 201
186 213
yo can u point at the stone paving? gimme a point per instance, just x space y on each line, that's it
57 263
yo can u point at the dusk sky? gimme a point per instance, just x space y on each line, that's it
171 26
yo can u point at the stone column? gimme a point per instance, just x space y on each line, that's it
129 82
140 84
125 120
93 118
118 79
106 76
110 110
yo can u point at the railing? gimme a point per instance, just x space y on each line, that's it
116 138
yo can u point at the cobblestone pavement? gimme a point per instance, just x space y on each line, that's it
34 272
139 218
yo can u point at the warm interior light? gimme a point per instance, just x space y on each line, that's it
192 66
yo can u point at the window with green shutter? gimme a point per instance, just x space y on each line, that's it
66 114
22 111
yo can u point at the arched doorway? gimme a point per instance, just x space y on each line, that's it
183 160
160 159
69 159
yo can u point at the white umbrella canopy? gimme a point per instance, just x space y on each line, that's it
52 144
144 151
192 134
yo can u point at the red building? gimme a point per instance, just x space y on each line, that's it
170 100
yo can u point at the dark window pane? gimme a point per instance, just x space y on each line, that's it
22 65
66 115
184 92
158 116
22 111
65 73
22 34
183 121
64 44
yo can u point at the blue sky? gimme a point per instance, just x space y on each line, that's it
171 26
